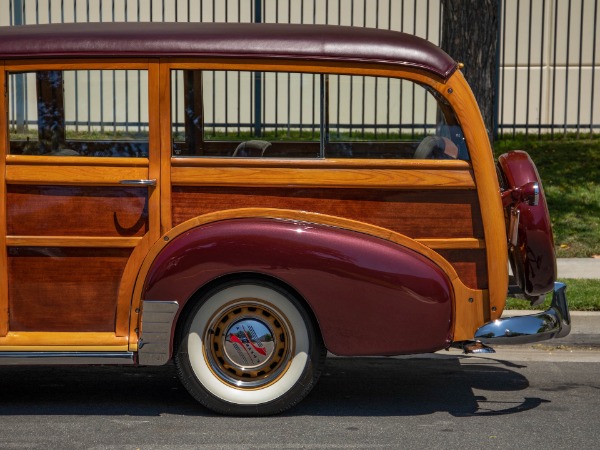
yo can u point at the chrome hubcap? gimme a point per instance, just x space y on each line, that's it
248 344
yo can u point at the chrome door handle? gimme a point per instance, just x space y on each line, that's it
138 182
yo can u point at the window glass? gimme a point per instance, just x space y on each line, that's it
376 117
246 114
79 113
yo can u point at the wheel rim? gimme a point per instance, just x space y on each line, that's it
248 344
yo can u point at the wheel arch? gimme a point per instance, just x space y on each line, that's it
465 316
224 279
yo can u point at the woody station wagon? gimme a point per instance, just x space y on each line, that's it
242 198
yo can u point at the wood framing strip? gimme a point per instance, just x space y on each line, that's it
453 243
72 174
72 241
283 65
25 65
412 164
33 340
3 254
315 178
164 107
91 161
459 94
154 171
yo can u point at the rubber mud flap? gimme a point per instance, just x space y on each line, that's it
533 259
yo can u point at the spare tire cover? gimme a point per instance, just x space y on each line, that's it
533 259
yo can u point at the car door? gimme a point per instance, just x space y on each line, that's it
81 190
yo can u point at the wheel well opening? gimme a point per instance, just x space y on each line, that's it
202 292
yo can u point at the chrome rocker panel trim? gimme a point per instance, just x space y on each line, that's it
551 324
154 345
65 358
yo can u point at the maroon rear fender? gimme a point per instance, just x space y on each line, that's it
532 258
369 296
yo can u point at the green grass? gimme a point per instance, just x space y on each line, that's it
583 295
570 173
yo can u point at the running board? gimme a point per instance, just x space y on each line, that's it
65 358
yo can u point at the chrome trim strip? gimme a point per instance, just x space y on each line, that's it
65 358
551 324
154 346
139 182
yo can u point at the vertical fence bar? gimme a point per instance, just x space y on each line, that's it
19 97
567 65
580 68
528 69
516 69
542 68
592 103
257 79
554 67
496 107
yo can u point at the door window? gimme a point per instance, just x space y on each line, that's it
79 113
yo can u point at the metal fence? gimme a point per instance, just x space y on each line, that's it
548 49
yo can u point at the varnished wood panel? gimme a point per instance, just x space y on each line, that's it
77 211
460 97
73 174
319 177
470 265
72 241
424 214
64 289
3 152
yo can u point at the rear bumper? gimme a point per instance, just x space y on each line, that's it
550 324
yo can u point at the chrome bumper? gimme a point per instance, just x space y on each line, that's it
550 324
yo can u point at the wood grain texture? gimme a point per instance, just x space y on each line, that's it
331 164
72 241
459 95
417 214
64 289
72 174
62 341
3 255
315 177
76 64
165 148
77 211
154 172
125 312
470 264
282 65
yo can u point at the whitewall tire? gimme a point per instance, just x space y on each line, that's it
248 347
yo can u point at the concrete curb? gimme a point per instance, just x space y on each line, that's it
578 268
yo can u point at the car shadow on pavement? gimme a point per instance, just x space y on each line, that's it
348 387
416 386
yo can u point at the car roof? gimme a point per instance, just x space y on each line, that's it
248 40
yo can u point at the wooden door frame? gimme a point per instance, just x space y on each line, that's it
18 169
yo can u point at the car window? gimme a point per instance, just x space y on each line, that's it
294 115
245 114
79 113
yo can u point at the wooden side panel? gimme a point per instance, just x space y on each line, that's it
64 289
3 151
77 211
470 265
417 214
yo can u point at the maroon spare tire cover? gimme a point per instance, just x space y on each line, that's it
533 259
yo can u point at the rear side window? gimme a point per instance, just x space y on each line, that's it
293 115
79 113
246 114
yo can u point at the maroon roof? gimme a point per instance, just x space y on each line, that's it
302 42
